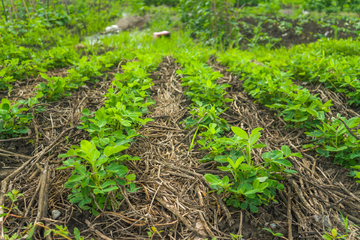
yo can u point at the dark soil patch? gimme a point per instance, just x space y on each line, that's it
286 30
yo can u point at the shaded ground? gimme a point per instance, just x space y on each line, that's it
291 32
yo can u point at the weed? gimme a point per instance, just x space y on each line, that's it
274 234
13 120
153 231
334 234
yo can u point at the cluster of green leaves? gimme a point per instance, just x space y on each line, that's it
338 70
200 80
212 21
56 87
330 6
331 62
83 70
208 97
333 234
98 166
332 138
275 89
251 184
20 62
205 116
32 45
270 81
96 172
13 119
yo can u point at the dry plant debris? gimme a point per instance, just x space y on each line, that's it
174 196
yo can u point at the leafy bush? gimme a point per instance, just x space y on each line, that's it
332 137
95 173
13 121
213 21
201 81
56 87
251 185
329 6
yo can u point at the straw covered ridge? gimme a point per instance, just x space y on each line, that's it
174 197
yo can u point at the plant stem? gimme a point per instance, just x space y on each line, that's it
4 10
43 226
12 204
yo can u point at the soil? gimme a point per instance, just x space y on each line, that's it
174 196
311 30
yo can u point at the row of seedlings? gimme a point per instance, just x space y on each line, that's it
98 166
274 88
252 184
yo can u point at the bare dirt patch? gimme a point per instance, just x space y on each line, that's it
311 31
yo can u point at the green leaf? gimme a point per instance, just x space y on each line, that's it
5 106
225 180
283 162
254 138
47 232
299 155
81 169
101 161
131 177
111 189
31 233
101 123
256 183
286 150
76 178
122 171
212 179
326 237
76 233
239 132
312 112
76 199
253 208
244 205
86 146
112 150
70 184
251 192
85 112
233 165
260 145
108 183
104 141
98 191
121 182
262 179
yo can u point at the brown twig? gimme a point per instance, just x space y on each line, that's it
290 237
177 214
11 154
349 130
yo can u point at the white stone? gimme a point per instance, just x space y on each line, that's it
55 214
